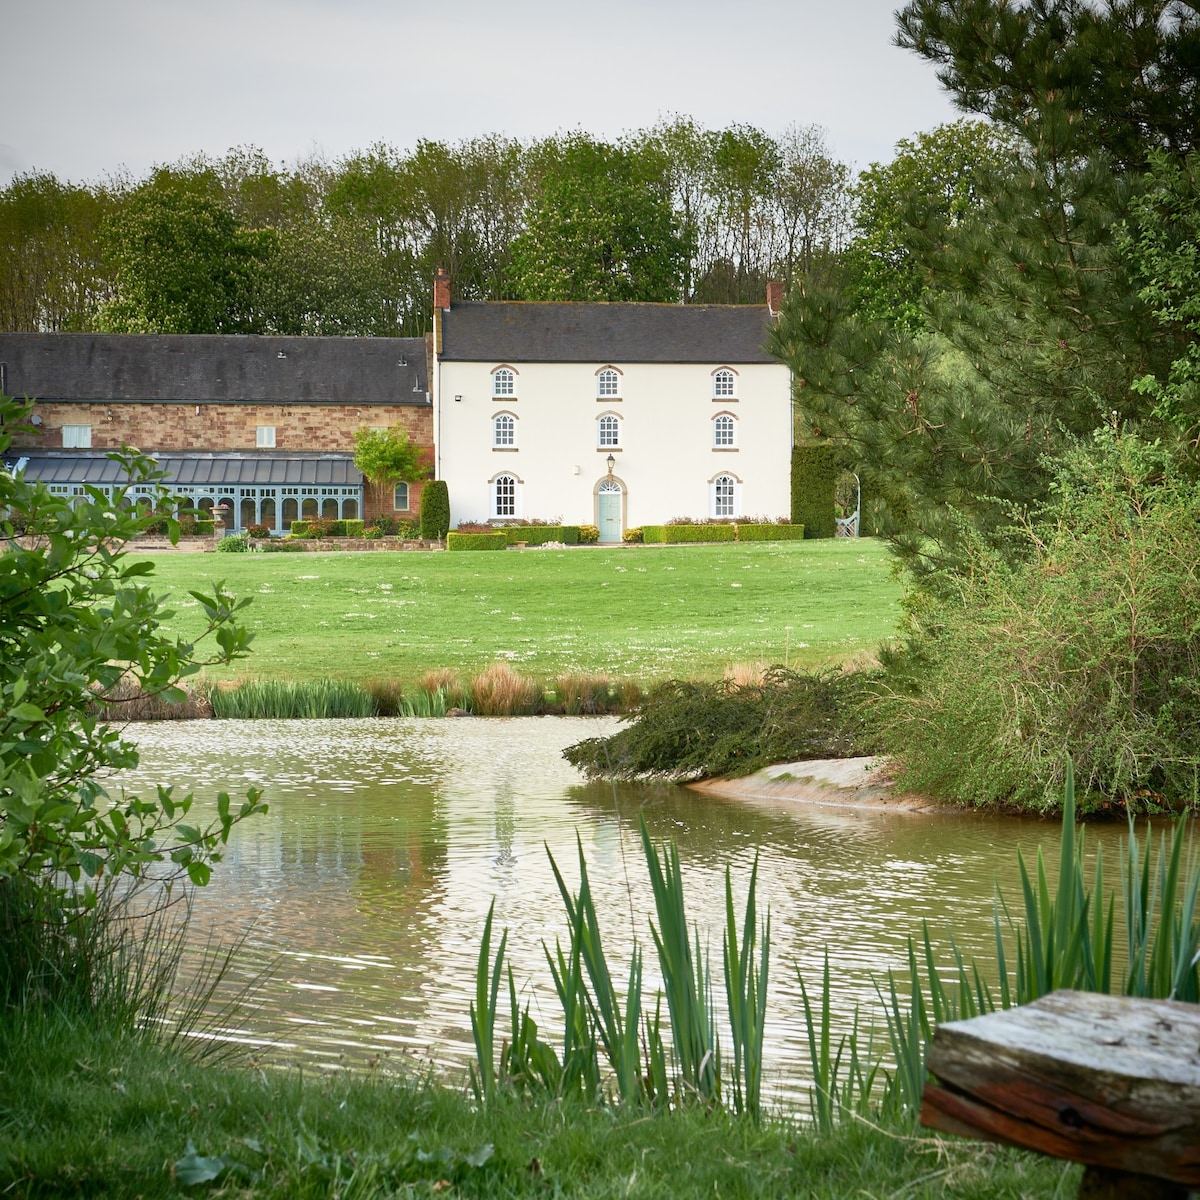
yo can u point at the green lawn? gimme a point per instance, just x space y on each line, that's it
644 613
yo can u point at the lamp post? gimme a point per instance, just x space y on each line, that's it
612 462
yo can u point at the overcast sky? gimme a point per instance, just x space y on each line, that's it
92 87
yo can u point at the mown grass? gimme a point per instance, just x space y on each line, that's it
642 613
89 1112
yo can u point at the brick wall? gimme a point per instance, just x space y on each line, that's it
164 427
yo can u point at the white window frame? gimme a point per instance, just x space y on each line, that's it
77 437
264 437
724 384
396 505
504 422
608 384
723 495
512 507
608 424
504 383
724 422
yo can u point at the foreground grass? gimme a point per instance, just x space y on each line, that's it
644 613
87 1113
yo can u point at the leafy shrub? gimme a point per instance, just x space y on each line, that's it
233 543
435 510
539 535
769 533
814 478
381 527
633 535
352 527
372 534
474 527
259 531
589 535
1086 648
683 729
694 532
476 541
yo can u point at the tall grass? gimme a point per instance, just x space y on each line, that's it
283 699
500 691
128 702
614 1047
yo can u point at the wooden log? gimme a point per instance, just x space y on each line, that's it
1109 1081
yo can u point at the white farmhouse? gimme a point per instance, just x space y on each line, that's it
612 415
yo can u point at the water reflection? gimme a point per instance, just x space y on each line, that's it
387 840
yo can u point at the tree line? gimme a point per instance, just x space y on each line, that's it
676 212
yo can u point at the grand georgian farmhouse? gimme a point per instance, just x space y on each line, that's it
262 425
615 415
611 415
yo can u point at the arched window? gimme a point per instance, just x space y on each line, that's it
608 383
504 382
724 383
608 430
504 430
400 498
504 496
722 430
724 489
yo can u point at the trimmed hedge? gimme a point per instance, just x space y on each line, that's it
539 535
814 477
674 534
325 527
476 541
435 510
770 533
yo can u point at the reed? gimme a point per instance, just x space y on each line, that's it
746 993
589 695
387 697
281 699
500 691
126 701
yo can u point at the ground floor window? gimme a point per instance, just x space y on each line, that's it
400 498
724 491
504 496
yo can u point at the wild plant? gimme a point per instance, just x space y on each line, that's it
500 691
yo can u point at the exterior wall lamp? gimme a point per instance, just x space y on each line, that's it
612 462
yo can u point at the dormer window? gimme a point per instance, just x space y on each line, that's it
608 383
504 382
724 384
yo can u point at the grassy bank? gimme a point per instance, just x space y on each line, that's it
644 613
83 1112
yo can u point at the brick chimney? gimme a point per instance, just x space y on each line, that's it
774 297
441 289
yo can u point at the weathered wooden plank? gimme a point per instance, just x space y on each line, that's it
1109 1081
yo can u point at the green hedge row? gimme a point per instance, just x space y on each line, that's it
814 477
769 533
476 541
664 534
539 535
328 528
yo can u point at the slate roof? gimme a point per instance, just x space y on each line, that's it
195 470
201 368
601 333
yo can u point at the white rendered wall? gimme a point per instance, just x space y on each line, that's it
666 459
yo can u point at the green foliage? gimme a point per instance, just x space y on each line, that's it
774 532
182 264
589 535
78 619
476 541
539 535
386 457
690 729
285 700
328 527
233 543
435 510
634 535
1087 647
662 535
598 229
814 478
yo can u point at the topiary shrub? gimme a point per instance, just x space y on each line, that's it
769 533
435 510
633 535
539 535
678 533
814 478
352 528
589 535
476 541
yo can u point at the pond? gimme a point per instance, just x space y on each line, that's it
368 883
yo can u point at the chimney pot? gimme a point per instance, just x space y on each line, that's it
441 289
774 296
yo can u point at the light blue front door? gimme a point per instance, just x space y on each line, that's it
608 510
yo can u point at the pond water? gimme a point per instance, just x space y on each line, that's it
368 883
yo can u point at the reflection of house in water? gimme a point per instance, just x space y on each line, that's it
263 425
